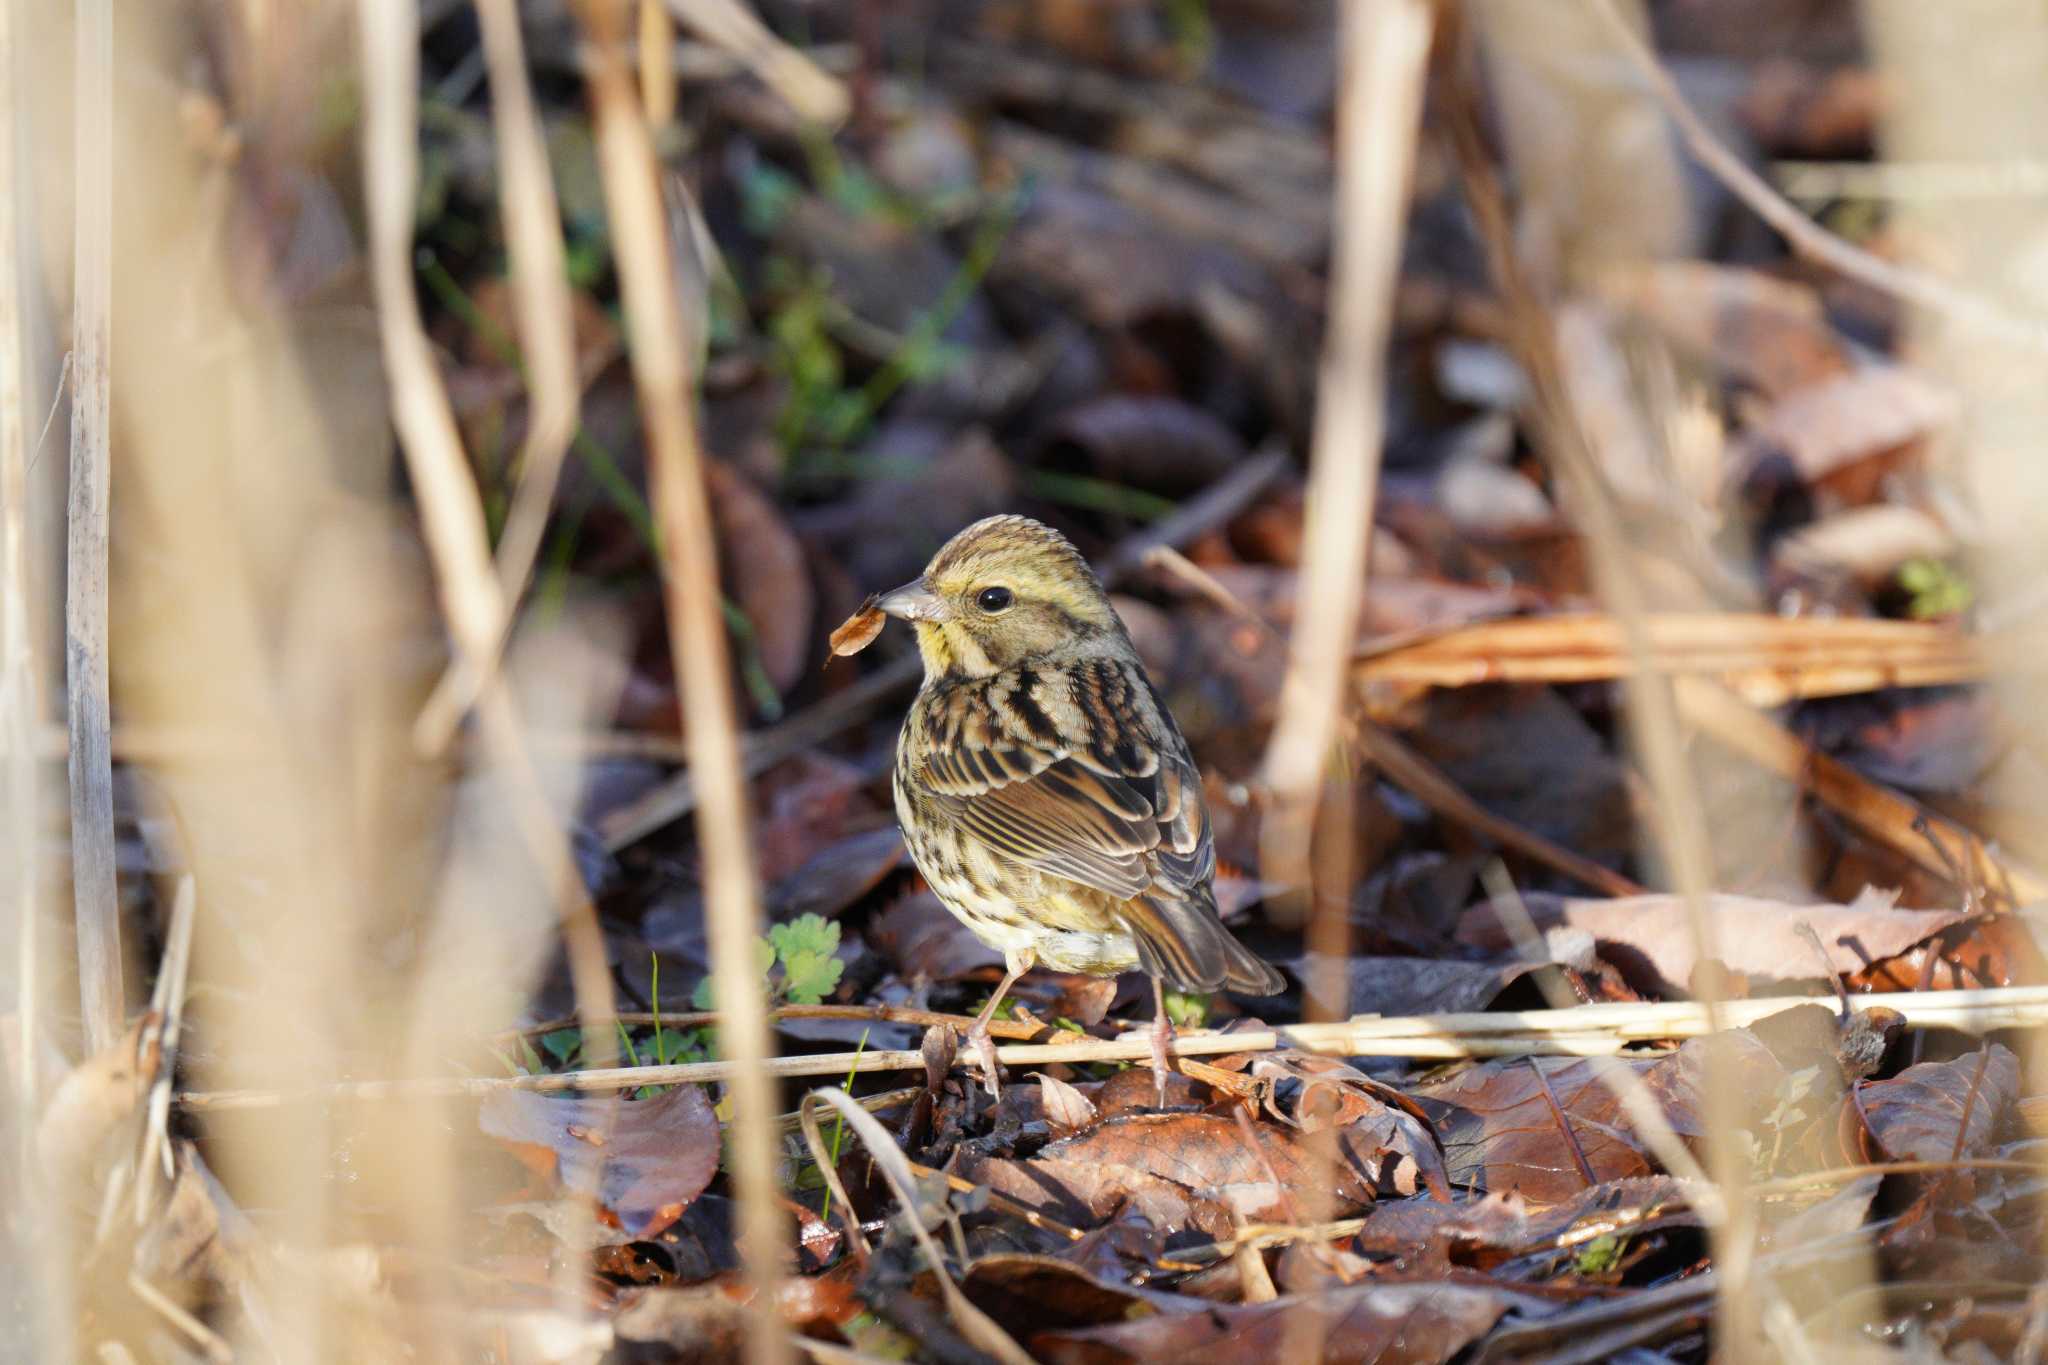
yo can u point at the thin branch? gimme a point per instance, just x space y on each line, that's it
95 899
1805 236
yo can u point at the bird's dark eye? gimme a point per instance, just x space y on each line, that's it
992 599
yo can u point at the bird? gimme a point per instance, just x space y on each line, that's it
1044 791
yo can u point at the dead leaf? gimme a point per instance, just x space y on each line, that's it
926 942
1764 331
1371 1324
1163 444
642 1160
1919 1115
1648 938
838 875
1827 426
1500 1132
859 630
1066 1109
762 565
1511 1239
1417 985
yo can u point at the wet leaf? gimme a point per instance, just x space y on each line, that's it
641 1160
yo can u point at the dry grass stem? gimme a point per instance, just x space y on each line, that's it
1385 50
730 25
547 345
663 379
95 900
1767 660
1582 1031
658 63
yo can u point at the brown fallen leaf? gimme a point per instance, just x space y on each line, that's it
1510 1239
859 630
763 561
1415 1324
1938 1111
1502 1124
1649 939
643 1165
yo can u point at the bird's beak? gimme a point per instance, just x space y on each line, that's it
913 602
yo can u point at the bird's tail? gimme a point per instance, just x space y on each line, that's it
1183 943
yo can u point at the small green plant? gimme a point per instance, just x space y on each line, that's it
803 949
1599 1256
1187 1010
1936 588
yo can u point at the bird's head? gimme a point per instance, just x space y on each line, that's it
1003 592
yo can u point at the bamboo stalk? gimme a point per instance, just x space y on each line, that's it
1582 1031
95 900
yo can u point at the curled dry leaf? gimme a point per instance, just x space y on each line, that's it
641 1160
1066 1109
1496 1232
859 630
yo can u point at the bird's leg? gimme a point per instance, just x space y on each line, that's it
977 1039
1162 1034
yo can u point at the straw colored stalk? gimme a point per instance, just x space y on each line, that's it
662 376
1678 819
450 511
85 598
802 85
1583 1031
1384 51
35 1252
1766 660
547 346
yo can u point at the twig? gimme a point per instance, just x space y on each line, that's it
95 900
547 345
677 797
1564 1126
974 1324
1805 236
663 380
1581 1031
800 82
1385 47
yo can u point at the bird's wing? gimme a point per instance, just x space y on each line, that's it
1077 772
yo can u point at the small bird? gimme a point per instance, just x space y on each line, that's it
1044 791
